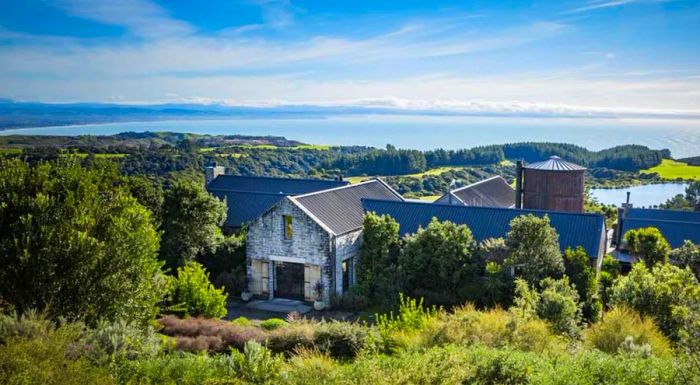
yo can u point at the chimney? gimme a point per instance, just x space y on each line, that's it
212 172
519 184
339 177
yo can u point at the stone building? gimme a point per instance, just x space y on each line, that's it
247 197
306 239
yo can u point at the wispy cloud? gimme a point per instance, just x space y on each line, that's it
140 17
605 4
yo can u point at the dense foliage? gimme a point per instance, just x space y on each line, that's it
75 243
533 248
192 294
191 223
649 245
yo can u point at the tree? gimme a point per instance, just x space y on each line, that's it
439 258
191 220
534 248
692 195
665 292
379 250
75 243
193 294
583 276
649 245
227 264
609 271
688 255
557 302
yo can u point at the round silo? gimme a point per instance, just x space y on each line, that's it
553 184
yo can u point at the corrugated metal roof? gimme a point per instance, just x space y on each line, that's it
676 226
284 186
575 229
248 197
491 192
671 215
554 163
340 209
244 207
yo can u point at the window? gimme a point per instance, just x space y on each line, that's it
287 227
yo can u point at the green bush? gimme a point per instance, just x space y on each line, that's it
110 341
193 293
352 300
256 364
273 323
666 293
31 324
557 303
503 367
618 324
49 356
298 335
178 368
241 321
340 339
649 245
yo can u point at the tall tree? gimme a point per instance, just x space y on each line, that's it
583 276
75 243
191 220
379 250
533 246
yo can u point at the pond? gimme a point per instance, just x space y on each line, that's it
641 196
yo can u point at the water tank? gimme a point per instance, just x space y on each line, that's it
553 184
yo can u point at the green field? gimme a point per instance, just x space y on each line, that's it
671 169
10 151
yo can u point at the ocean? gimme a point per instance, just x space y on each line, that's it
682 137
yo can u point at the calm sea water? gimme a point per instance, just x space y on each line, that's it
682 137
640 196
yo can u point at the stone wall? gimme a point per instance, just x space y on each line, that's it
310 243
347 246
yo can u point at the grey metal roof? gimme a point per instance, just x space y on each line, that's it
676 226
340 209
244 207
248 197
575 229
554 163
491 192
284 186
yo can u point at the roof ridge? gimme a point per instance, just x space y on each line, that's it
491 208
281 178
476 183
334 189
223 190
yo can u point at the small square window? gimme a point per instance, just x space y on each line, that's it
287 227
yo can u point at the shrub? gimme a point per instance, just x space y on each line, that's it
665 293
557 304
583 277
256 364
352 300
178 368
296 336
340 339
648 244
273 323
501 366
31 324
242 321
688 255
48 357
609 334
193 292
230 334
110 341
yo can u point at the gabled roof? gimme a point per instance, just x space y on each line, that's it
554 163
575 229
340 209
675 225
282 186
248 197
491 192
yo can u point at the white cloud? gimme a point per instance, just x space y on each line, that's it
140 17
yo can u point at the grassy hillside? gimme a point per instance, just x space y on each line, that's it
672 169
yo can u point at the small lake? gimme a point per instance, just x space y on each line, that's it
641 196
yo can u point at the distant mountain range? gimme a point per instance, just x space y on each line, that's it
17 114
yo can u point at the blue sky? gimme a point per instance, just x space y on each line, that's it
547 56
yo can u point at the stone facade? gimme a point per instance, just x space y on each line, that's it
310 245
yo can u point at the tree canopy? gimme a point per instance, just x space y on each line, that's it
533 246
75 243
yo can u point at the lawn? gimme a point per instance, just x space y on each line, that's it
671 169
10 151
